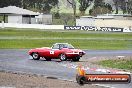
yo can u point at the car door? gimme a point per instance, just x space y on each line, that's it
44 52
56 51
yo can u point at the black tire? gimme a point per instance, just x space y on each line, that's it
62 57
76 58
35 56
80 80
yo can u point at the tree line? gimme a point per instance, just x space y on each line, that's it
39 5
99 7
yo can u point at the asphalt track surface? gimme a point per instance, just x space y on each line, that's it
17 60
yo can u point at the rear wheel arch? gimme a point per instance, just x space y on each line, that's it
33 52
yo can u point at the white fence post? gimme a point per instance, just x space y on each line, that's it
2 25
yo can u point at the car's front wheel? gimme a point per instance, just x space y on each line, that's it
76 58
62 57
35 56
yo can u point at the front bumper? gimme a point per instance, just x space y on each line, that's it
74 54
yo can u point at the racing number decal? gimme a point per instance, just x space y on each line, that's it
51 52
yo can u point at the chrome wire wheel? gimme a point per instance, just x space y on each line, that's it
35 56
63 57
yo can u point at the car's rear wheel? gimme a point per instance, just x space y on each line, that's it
62 57
48 59
76 58
35 56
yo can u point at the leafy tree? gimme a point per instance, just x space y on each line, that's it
98 3
84 4
73 3
42 5
100 7
130 7
121 4
5 3
46 5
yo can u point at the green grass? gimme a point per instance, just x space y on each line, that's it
62 34
29 38
120 64
83 44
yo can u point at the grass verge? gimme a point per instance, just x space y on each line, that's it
119 63
62 34
29 38
83 43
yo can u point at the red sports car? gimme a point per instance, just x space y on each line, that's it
62 51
